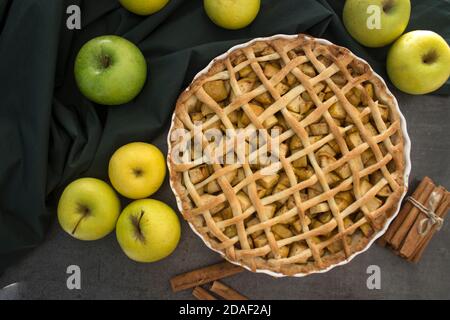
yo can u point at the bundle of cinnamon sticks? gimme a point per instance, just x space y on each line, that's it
420 217
211 274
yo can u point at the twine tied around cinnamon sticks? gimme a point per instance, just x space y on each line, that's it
419 218
432 218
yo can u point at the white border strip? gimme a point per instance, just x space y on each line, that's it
407 154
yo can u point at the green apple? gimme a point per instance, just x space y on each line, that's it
376 23
232 14
137 170
148 230
88 209
419 62
110 70
143 7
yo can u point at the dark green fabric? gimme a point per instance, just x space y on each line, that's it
50 134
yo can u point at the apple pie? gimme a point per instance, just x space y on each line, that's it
333 173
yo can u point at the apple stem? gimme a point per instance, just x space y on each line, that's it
430 57
388 5
85 211
140 218
105 61
76 226
137 224
137 172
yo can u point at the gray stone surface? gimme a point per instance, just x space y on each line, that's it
108 274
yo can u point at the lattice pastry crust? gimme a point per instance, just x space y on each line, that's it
340 169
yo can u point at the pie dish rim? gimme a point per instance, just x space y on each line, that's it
406 153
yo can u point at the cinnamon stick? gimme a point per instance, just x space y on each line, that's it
412 214
403 235
202 294
226 292
204 275
413 237
398 221
441 211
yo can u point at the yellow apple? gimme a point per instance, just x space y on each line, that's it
419 62
137 170
376 23
148 230
88 209
143 7
232 14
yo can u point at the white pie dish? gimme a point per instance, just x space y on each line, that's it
406 150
